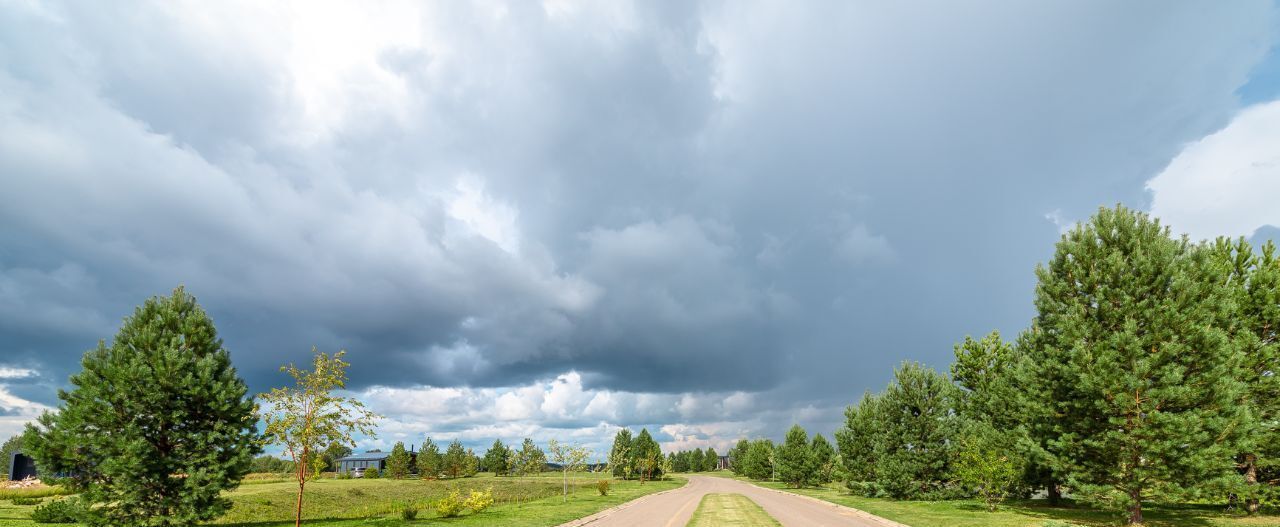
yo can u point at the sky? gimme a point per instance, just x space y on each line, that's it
552 220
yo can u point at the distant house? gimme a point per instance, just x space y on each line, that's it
360 463
21 466
723 463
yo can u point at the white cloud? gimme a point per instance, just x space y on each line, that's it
7 372
1226 183
16 412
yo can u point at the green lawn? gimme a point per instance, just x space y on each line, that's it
1025 513
529 501
730 510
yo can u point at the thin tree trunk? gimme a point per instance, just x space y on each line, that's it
1251 504
1135 510
1055 493
302 483
565 477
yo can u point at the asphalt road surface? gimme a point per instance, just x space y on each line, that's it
674 508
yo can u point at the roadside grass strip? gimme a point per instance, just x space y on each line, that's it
730 510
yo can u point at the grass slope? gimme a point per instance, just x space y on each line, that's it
1025 513
730 510
531 501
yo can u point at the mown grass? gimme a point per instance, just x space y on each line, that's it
730 510
1027 513
520 502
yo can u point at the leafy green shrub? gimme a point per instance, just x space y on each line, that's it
26 501
451 505
409 512
343 475
68 510
372 473
602 486
479 500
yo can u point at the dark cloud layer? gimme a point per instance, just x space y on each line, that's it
666 198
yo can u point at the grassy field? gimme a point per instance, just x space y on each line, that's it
730 510
1027 513
527 501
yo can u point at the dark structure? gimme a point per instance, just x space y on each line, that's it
723 463
22 466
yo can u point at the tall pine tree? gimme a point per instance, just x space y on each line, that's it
1132 363
794 458
917 424
157 424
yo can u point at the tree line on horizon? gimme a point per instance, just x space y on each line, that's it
1149 373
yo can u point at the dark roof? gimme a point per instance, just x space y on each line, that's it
367 456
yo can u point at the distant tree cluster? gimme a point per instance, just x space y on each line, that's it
695 460
797 462
637 457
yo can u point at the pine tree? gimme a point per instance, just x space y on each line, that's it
620 457
530 459
646 456
989 400
917 421
794 459
472 466
712 460
824 459
1253 281
498 458
162 399
398 462
758 463
738 456
1133 364
697 460
430 462
455 460
857 440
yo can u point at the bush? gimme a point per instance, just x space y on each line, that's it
602 486
343 475
451 505
68 510
26 501
409 512
479 500
372 473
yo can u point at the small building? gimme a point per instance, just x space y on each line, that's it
723 463
360 463
21 466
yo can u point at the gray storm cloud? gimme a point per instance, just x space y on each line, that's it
665 199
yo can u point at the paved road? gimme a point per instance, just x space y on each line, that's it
674 508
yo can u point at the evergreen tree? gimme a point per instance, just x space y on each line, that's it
472 465
162 399
398 462
758 463
620 456
987 371
430 462
498 458
1133 363
738 456
13 444
646 456
824 459
857 440
697 460
917 422
670 465
712 459
455 460
795 461
1253 280
531 459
